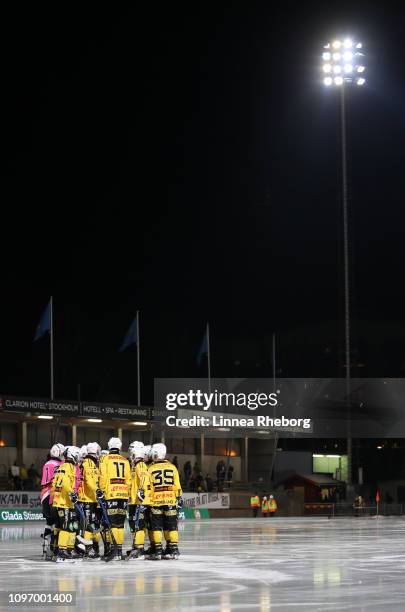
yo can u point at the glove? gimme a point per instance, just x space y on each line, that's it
179 501
73 497
99 495
141 495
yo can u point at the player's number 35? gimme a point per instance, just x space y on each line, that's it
163 478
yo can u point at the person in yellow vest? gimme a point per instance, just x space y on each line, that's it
272 506
139 500
166 499
255 504
265 507
87 497
115 487
64 499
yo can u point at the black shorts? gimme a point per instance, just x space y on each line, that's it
117 512
163 517
137 517
46 511
92 515
66 519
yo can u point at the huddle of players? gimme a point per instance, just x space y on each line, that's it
86 494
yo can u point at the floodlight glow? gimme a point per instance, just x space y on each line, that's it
361 81
342 61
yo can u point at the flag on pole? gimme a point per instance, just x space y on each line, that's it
377 497
131 336
203 350
44 324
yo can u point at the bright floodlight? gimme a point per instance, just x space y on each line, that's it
360 81
344 60
328 81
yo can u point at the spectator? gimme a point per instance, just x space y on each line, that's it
23 476
209 483
33 475
199 483
187 473
220 468
192 483
255 504
230 475
272 505
196 469
358 505
15 475
175 462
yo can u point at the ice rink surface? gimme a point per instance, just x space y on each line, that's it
259 564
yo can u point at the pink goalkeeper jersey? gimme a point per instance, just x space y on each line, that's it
48 472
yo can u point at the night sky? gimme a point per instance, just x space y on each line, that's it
184 160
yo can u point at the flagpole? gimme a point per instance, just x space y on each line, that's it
273 457
208 358
51 347
137 358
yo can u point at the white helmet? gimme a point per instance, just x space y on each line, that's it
147 451
158 451
103 453
136 450
72 453
83 452
94 449
264 498
114 444
57 451
271 496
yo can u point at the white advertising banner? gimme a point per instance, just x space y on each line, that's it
206 500
20 499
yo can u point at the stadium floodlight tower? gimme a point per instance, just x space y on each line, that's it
342 67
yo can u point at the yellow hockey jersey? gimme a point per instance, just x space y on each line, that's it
140 480
115 477
164 483
63 483
90 481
